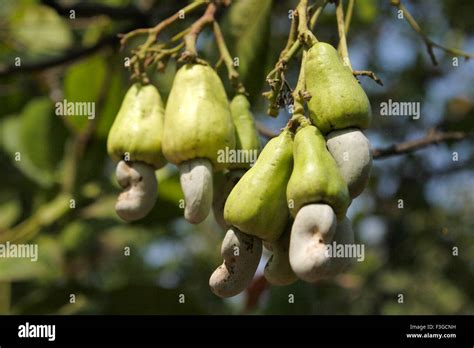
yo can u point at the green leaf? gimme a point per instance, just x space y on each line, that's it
42 134
48 264
247 30
111 106
35 141
39 29
83 83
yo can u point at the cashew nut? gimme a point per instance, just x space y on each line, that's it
241 254
351 151
139 181
196 183
224 188
278 270
313 228
335 265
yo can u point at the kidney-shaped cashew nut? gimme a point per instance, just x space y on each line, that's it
241 254
336 264
196 183
351 151
278 270
313 228
140 187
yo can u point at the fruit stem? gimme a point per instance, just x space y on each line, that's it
233 75
342 35
299 93
190 53
305 35
276 77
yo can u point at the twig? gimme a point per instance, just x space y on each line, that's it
69 57
190 53
342 34
432 137
305 35
368 73
276 77
430 44
156 30
348 16
227 59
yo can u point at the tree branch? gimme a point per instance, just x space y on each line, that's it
68 57
431 138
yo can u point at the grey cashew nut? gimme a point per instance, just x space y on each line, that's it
336 264
351 151
196 183
313 228
224 187
140 189
278 270
241 254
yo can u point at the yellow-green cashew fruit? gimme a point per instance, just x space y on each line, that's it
247 141
351 151
136 133
198 126
315 177
198 122
223 185
136 136
337 99
278 270
257 204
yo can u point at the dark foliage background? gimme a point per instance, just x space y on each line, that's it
409 251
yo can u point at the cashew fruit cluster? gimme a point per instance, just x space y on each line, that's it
295 198
197 123
292 201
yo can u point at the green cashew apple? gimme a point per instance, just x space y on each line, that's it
247 141
351 151
315 177
257 204
337 99
136 136
278 269
136 133
198 125
224 184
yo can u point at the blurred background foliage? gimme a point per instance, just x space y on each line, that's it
83 250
